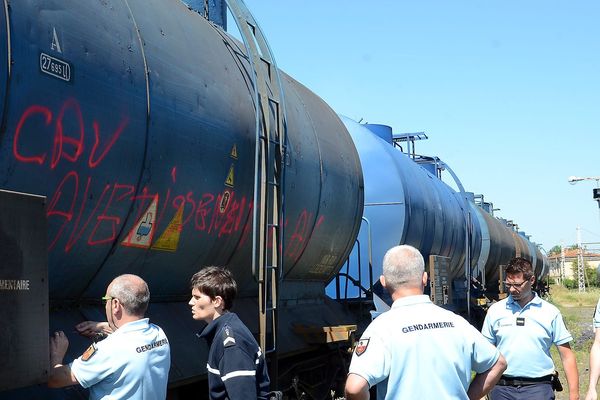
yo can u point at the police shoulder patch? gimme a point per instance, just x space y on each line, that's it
228 339
361 346
89 353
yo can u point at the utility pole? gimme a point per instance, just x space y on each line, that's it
580 267
596 192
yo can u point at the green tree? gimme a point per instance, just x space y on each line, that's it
591 275
555 250
569 283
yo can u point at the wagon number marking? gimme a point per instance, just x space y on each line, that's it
55 67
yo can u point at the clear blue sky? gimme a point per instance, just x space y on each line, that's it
508 91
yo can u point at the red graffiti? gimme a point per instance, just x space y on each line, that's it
113 221
29 114
67 145
203 210
93 162
96 222
75 235
65 214
62 140
297 240
302 234
94 212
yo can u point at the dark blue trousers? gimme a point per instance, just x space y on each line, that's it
539 391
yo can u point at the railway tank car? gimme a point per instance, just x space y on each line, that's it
139 122
406 202
143 142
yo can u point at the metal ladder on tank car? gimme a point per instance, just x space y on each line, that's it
267 247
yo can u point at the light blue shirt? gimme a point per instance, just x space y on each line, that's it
425 352
131 363
525 335
597 315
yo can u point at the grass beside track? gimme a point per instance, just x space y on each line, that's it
577 310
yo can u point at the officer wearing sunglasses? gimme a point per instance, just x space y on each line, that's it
131 363
524 327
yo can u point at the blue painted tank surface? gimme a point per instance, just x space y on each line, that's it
405 204
383 131
532 254
481 256
501 248
4 61
542 267
505 244
137 121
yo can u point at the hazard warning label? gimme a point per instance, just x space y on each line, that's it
233 153
142 232
169 240
224 201
229 179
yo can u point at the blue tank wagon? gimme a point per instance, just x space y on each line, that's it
137 120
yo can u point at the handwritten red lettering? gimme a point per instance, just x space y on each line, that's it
74 235
61 139
93 162
67 214
203 210
113 221
29 113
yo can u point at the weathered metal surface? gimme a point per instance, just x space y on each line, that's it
405 204
136 120
23 291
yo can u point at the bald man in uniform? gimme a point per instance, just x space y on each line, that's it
131 363
418 350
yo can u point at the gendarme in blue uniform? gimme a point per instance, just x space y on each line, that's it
525 335
131 363
425 352
236 366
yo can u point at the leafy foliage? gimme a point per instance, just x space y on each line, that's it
555 250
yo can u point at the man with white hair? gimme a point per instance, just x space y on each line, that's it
131 363
418 350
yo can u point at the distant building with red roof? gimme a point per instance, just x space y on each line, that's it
590 259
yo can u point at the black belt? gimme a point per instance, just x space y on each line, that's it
523 381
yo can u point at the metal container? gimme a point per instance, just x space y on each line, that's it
404 204
137 121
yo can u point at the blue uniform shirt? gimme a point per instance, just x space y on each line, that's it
525 335
597 315
425 352
236 366
131 363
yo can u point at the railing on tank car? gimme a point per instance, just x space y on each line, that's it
357 282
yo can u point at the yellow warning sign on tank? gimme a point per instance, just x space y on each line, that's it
233 153
229 180
169 240
224 201
142 232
